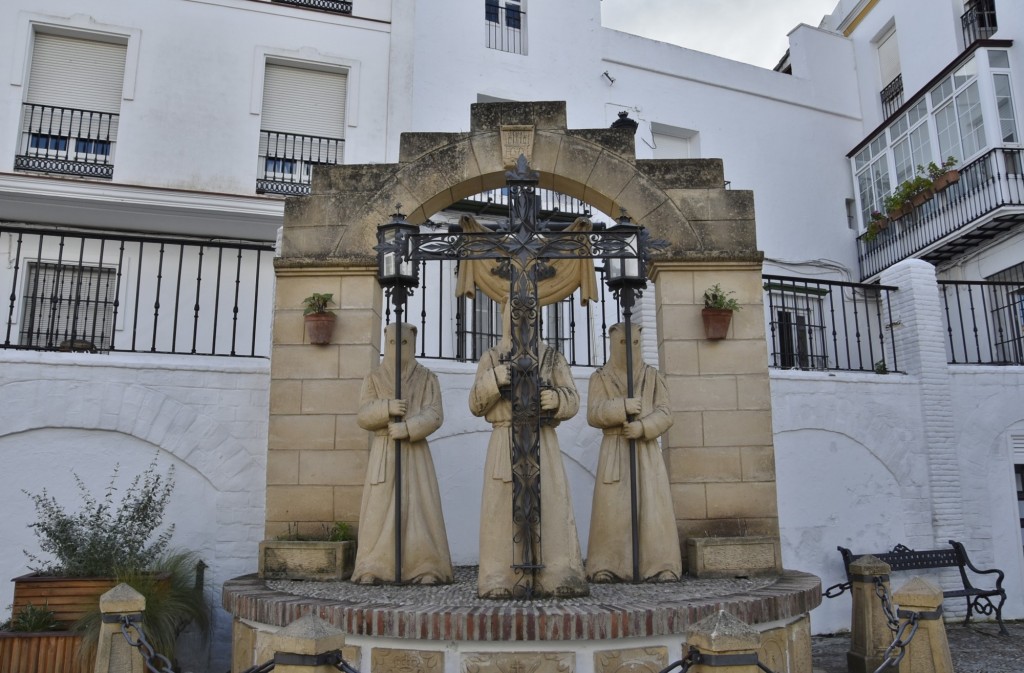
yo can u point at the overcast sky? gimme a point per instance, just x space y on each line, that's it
751 31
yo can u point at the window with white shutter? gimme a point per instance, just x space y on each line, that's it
302 125
70 113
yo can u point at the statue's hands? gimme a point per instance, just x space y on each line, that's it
502 375
634 430
548 400
398 430
632 406
397 408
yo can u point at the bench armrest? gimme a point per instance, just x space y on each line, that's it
962 553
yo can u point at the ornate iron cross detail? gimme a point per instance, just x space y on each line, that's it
523 248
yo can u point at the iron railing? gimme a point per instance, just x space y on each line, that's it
979 21
993 181
286 161
505 26
66 141
828 325
984 321
892 96
551 204
334 6
462 329
91 291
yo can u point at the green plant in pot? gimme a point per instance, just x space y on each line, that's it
319 320
310 551
106 542
942 175
717 313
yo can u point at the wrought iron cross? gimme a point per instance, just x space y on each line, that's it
523 248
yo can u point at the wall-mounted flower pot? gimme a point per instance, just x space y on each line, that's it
716 322
320 327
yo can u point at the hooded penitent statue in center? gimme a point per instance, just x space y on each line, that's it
641 418
562 573
410 419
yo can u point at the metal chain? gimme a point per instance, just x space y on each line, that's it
883 594
683 665
265 667
898 649
837 590
155 662
343 665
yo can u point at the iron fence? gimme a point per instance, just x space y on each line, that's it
506 27
979 21
97 292
550 203
828 325
992 181
892 96
66 141
984 321
286 161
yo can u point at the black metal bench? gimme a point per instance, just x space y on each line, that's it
979 600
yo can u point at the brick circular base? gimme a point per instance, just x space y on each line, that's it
455 614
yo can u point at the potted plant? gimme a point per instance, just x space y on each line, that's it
943 175
322 553
34 629
920 190
105 543
897 204
717 313
319 321
876 223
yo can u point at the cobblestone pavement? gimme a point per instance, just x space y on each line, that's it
977 648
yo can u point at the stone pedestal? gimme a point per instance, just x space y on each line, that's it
869 632
928 651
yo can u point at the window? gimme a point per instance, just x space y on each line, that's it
70 114
1006 300
68 307
910 144
1004 103
505 23
672 142
889 74
303 125
958 116
797 327
872 176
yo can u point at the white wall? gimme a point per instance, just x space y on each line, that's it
67 414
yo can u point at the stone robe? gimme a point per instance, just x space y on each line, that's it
563 573
610 548
425 555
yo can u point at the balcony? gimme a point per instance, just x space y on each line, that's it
987 202
286 161
66 141
333 6
892 97
979 21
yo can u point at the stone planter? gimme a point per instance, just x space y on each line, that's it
306 560
70 598
716 322
42 652
320 327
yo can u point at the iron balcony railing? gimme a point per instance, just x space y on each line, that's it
334 6
979 21
817 324
286 161
551 204
506 27
987 184
892 96
96 292
984 322
66 141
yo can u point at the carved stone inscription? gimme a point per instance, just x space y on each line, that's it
516 140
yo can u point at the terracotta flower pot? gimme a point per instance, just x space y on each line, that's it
948 178
320 327
716 322
922 197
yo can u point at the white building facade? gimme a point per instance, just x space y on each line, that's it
146 150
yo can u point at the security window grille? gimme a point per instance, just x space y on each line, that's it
68 307
798 327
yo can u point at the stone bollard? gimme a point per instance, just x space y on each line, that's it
114 654
928 650
869 630
726 645
307 645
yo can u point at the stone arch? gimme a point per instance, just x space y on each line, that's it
680 201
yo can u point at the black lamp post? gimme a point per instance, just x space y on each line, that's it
626 275
399 274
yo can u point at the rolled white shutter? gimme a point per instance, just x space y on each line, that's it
75 73
302 101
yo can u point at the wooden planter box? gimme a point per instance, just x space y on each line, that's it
306 560
70 598
44 652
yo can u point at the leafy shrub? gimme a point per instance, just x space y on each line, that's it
32 619
100 538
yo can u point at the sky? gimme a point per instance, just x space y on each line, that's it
751 31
